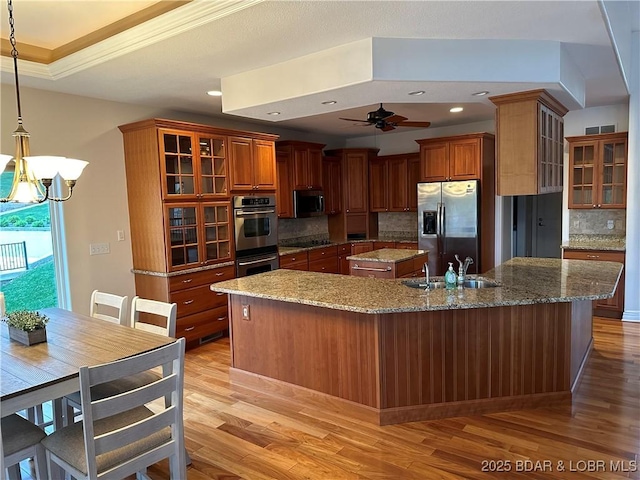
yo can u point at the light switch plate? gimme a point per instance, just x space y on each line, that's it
610 224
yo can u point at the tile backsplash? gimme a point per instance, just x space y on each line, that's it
312 228
596 222
392 224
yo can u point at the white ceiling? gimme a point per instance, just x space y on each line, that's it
275 56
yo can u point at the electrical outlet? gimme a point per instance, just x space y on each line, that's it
245 312
98 249
576 224
120 235
610 224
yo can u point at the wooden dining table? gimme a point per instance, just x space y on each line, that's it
31 375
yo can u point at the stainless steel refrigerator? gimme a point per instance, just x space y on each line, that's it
448 223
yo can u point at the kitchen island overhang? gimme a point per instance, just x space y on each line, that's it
386 353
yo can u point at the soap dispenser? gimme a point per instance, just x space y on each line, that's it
450 278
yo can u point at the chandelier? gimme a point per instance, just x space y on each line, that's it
33 176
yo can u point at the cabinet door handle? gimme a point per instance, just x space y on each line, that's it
356 267
188 329
219 274
219 294
593 256
220 319
188 302
188 280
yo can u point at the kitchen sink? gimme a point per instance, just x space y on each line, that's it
437 284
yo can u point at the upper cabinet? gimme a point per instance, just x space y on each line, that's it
598 171
393 183
529 142
306 163
446 159
253 164
193 165
332 180
284 192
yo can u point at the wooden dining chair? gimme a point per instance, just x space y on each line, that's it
20 440
165 315
119 434
110 307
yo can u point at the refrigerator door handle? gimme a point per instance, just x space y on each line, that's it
439 228
443 222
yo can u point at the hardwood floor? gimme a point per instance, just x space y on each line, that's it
233 433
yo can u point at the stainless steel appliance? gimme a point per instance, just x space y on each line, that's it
308 203
256 234
448 223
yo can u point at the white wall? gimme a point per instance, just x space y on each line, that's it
86 128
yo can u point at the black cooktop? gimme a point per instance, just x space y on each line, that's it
312 243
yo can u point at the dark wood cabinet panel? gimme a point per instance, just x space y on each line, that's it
435 161
464 160
264 164
450 159
378 185
284 191
241 171
413 178
355 180
332 181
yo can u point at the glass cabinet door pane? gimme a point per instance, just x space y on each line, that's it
213 172
183 234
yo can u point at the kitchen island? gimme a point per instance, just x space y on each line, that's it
386 353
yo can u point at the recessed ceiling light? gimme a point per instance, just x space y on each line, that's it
456 109
480 94
329 102
214 93
416 93
273 113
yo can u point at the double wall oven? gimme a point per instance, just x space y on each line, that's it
256 234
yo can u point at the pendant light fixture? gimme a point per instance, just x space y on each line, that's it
33 176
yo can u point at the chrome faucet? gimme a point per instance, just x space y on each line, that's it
462 271
425 270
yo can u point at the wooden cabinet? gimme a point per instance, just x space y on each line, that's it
295 261
354 218
252 164
452 158
344 250
201 313
299 167
332 181
324 259
609 307
411 267
529 139
284 192
393 183
197 233
178 187
193 165
407 245
598 171
361 247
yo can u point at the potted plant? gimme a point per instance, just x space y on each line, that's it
27 327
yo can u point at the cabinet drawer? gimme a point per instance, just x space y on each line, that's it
304 266
296 259
202 324
324 252
371 269
407 245
197 299
344 249
206 277
324 265
594 255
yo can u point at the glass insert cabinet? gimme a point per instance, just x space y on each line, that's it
598 171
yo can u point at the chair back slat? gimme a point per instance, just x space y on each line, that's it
150 437
134 432
165 312
109 406
116 307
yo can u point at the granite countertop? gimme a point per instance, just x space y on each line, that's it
523 281
388 255
182 272
596 242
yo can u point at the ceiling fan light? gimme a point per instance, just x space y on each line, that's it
273 113
214 93
456 109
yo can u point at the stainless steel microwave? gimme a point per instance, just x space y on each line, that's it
308 203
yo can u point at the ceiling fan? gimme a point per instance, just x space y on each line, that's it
386 120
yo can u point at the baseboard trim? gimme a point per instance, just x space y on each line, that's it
631 316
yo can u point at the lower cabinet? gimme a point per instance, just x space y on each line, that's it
609 307
201 313
295 261
324 259
411 267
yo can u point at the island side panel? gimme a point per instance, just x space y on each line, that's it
448 356
329 351
581 337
